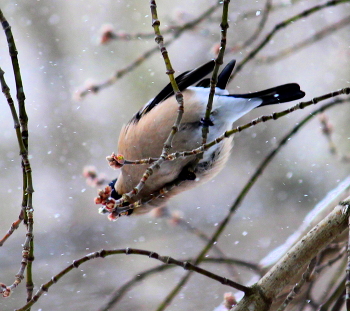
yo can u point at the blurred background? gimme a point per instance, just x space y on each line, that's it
60 52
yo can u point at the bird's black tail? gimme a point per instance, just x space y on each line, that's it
279 94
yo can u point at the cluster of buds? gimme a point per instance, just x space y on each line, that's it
116 208
326 126
92 178
107 34
5 290
104 198
110 205
229 301
90 86
115 161
175 218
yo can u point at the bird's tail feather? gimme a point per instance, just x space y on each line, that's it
279 94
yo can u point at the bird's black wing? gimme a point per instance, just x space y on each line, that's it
223 77
204 83
183 81
225 74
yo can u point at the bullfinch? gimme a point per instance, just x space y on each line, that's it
144 135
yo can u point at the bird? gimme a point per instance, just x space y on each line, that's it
144 136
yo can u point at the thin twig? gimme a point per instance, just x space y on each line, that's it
252 13
258 30
128 251
27 250
14 226
337 292
331 261
22 137
6 91
279 27
327 130
118 294
201 235
23 118
302 44
218 62
338 305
